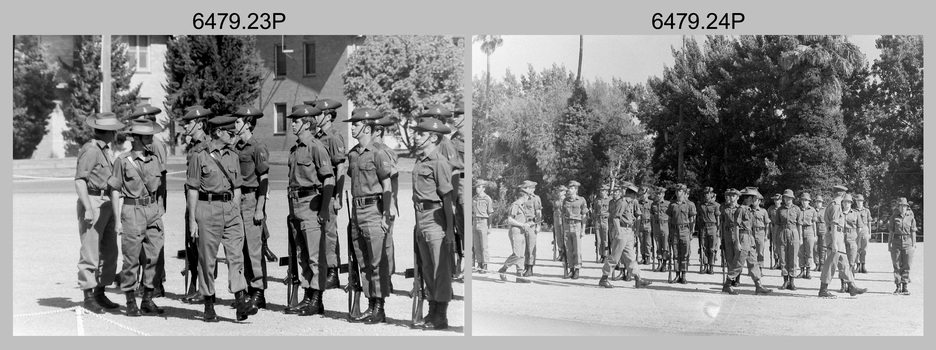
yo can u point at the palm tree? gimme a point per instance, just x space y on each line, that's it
578 74
489 43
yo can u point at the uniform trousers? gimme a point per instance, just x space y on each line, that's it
573 238
711 241
517 247
370 248
661 238
851 245
789 247
143 232
901 250
807 247
682 241
602 236
254 264
97 258
747 255
835 258
864 237
220 223
479 240
622 248
437 256
310 240
645 234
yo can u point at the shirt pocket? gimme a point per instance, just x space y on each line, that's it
210 178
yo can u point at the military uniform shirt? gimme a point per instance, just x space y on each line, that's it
367 167
334 145
482 206
820 221
601 207
645 214
864 216
574 208
744 218
810 217
135 177
448 152
94 165
309 164
391 154
680 212
708 212
516 210
658 210
254 161
903 224
195 146
626 211
788 217
432 178
761 219
204 174
852 224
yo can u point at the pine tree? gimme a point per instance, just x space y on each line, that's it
33 92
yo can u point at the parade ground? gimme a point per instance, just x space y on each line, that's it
551 305
45 256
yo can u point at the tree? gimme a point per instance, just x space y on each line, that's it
489 43
33 94
401 75
85 88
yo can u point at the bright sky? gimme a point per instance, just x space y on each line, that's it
632 58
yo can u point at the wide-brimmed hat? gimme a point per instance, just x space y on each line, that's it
574 183
752 191
433 125
859 197
144 110
249 111
629 186
459 108
104 121
788 193
902 201
805 197
223 122
325 104
302 111
436 111
196 112
363 113
143 126
732 191
847 198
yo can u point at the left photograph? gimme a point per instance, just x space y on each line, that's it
238 185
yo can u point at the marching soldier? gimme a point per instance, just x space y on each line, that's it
835 242
659 223
709 235
369 169
742 245
97 263
810 220
214 195
683 214
255 167
311 184
558 235
334 143
623 218
902 228
193 124
819 251
789 221
864 234
482 208
574 210
532 208
644 231
520 222
852 226
435 232
600 209
772 238
729 233
137 179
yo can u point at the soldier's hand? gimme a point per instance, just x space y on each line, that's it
258 217
89 215
323 216
337 205
118 227
385 223
193 228
449 239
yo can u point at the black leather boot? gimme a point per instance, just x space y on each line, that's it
258 299
844 288
824 291
102 299
306 300
267 253
575 274
529 271
786 282
245 307
603 282
790 284
899 289
624 276
430 316
736 281
331 280
378 315
210 315
853 290
640 282
193 296
520 278
682 278
807 276
90 303
148 306
759 288
440 321
903 289
483 266
726 287
315 306
863 269
802 272
367 313
132 309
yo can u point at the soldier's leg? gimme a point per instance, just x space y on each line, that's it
131 243
617 249
529 248
569 243
108 252
97 261
191 250
577 244
233 240
331 238
895 254
683 245
253 243
851 248
759 245
863 238
372 259
436 257
906 260
210 227
517 248
628 253
602 238
829 266
152 245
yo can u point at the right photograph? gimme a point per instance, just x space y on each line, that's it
697 185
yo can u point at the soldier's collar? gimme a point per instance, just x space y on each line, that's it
216 145
101 144
306 141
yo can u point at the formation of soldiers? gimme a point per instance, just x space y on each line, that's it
226 188
801 238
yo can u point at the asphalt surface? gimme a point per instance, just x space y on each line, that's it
552 305
45 253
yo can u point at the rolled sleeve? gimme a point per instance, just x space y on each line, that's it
384 165
443 177
86 162
322 162
193 172
115 181
261 159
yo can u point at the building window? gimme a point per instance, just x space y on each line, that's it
309 61
280 60
139 51
279 127
144 100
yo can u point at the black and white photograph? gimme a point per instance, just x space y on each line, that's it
190 185
697 185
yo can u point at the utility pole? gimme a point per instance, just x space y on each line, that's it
578 74
106 73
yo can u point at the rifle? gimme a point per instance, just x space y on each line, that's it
669 261
652 249
701 251
353 288
292 267
724 275
417 292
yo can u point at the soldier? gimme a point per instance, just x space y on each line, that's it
644 231
97 263
819 251
864 234
835 242
600 208
623 218
137 178
214 195
789 221
729 233
762 226
255 167
773 240
311 184
532 208
458 140
435 232
852 226
558 235
193 126
659 223
335 145
160 151
574 210
742 245
901 243
708 238
379 126
520 223
482 208
369 169
810 221
683 214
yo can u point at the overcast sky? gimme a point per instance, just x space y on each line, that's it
632 58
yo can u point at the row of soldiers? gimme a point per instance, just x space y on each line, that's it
226 188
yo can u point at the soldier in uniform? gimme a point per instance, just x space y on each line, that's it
520 222
558 235
644 231
659 223
835 242
481 209
819 251
774 241
214 196
741 245
810 221
682 214
380 126
864 234
311 183
435 232
97 262
852 226
574 211
255 167
532 208
193 124
729 233
625 215
335 145
369 169
789 221
458 140
902 228
137 179
762 225
600 209
709 235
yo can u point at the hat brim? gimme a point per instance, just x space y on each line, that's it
93 123
156 129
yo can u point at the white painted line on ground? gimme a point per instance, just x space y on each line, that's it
27 177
